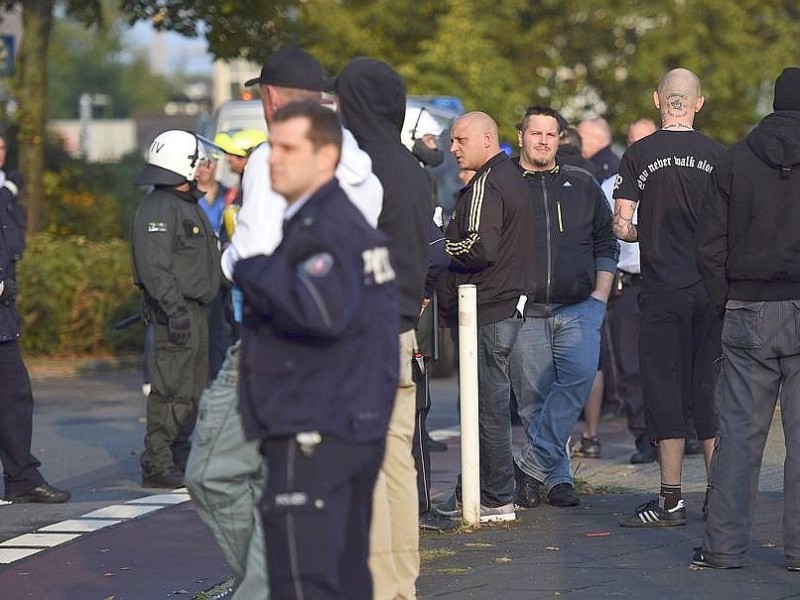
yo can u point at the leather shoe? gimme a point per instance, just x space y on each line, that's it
41 494
171 480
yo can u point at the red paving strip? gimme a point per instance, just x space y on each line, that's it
169 554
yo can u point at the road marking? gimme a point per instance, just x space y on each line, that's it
40 540
80 525
119 511
53 535
161 499
10 555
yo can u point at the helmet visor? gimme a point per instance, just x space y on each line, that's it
207 149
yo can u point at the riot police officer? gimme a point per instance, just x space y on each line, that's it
176 264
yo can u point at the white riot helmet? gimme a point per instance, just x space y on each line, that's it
173 157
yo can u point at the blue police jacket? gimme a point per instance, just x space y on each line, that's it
319 341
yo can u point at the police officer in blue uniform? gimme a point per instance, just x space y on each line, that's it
22 480
319 364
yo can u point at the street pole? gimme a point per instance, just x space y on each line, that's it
468 392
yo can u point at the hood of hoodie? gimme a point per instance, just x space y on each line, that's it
355 165
357 180
372 97
776 140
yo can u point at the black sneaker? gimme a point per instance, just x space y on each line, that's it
563 495
650 514
432 521
587 447
527 495
699 560
449 506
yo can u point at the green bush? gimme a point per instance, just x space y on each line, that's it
72 291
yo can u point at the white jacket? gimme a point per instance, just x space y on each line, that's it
259 227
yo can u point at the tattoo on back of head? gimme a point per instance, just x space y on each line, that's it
677 104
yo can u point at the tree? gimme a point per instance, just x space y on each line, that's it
602 57
30 84
233 28
94 61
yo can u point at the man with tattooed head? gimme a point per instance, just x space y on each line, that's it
666 174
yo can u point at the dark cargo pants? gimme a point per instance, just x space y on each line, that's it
179 375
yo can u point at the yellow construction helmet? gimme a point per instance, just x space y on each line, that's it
239 142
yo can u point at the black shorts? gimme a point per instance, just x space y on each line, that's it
679 344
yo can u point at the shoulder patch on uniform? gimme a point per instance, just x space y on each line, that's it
317 265
156 227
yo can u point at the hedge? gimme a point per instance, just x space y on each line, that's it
72 292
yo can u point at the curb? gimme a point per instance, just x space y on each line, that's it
42 368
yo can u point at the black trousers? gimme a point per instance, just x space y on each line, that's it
419 445
623 326
316 512
20 468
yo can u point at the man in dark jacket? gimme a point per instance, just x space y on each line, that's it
747 253
21 477
319 365
488 242
555 360
176 264
372 100
596 146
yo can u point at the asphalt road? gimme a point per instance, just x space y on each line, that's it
88 432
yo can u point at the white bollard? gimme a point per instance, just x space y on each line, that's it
468 392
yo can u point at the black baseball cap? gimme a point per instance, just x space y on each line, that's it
290 68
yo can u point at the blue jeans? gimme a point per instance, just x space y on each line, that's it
495 342
552 369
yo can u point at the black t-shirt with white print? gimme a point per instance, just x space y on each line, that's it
667 173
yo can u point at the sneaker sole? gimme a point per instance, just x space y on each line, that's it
498 518
640 525
704 564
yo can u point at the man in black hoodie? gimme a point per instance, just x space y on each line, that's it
372 100
747 253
